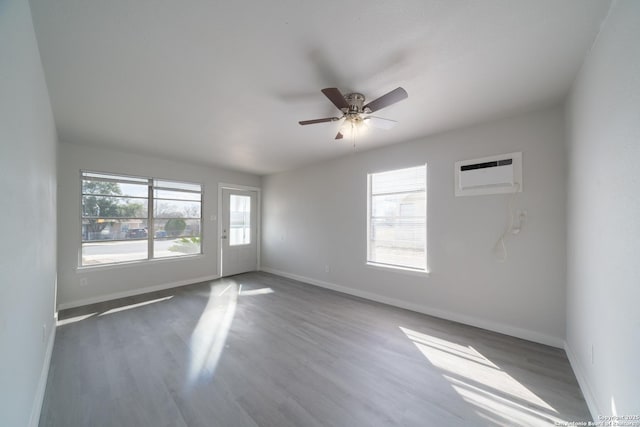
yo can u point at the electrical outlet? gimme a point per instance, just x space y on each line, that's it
518 221
522 215
84 281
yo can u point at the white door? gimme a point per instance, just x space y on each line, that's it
239 231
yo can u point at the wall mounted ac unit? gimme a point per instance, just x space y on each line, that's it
489 175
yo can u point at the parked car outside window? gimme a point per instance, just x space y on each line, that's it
137 233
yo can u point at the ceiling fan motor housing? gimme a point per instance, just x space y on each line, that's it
355 101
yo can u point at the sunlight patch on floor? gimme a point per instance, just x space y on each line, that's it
210 334
62 322
74 319
261 291
516 411
482 383
130 306
423 342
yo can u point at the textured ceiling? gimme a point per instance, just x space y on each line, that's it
225 82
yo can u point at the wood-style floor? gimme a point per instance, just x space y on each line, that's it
261 350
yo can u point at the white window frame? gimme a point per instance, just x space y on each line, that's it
395 267
150 216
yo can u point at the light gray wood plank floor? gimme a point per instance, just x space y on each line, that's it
262 350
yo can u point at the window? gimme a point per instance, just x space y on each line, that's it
131 218
240 220
397 218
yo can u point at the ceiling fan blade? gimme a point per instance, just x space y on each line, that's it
311 122
379 122
339 136
398 94
336 97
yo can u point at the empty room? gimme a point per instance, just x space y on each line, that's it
338 213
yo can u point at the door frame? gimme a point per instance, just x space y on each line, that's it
227 186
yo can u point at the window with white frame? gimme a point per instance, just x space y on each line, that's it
397 218
126 218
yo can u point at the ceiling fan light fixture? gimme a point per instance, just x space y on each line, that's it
353 127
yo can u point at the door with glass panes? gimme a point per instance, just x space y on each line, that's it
239 231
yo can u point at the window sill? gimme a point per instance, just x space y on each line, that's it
401 270
139 263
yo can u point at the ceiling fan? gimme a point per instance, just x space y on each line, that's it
355 112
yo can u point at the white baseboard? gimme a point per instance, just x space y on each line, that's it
443 314
582 381
42 382
132 292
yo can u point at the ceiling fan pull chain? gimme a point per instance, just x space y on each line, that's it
354 131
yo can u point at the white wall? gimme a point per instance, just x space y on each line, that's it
109 282
28 217
603 294
316 216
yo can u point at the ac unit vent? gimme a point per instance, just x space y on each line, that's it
486 165
489 175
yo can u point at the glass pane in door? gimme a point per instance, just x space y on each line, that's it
240 220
